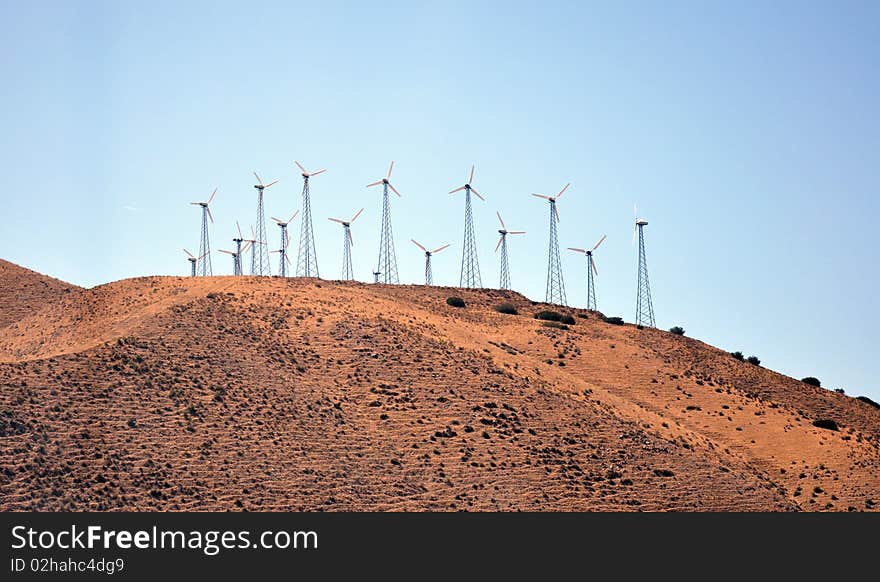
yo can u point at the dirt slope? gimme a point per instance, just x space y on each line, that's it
24 292
269 394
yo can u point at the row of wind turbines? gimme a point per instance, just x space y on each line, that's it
386 269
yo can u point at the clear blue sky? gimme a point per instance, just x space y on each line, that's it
746 131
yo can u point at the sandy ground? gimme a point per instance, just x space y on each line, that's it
268 394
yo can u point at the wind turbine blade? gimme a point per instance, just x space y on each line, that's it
635 226
214 193
435 251
355 216
418 245
600 241
563 190
500 238
246 246
196 203
259 180
556 212
577 250
211 216
541 196
292 216
350 240
471 179
395 190
227 252
457 190
298 165
500 220
253 234
316 173
478 195
593 263
287 258
189 253
270 184
337 220
278 220
516 232
374 184
391 167
238 226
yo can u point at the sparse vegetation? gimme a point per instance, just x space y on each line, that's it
613 320
554 324
508 308
548 315
826 423
455 301
754 360
868 401
738 355
568 320
677 330
812 381
840 390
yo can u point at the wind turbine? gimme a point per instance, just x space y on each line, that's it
470 265
285 241
236 261
261 266
307 258
387 255
502 242
555 292
284 259
347 272
192 262
429 278
591 269
238 248
252 244
644 305
204 264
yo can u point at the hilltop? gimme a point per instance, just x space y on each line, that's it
23 291
169 393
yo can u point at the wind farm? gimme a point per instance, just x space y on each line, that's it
391 330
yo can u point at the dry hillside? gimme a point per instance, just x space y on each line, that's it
269 394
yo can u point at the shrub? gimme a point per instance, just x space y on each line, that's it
508 308
554 324
548 315
840 390
677 330
613 320
567 319
455 301
812 381
738 355
868 401
754 360
825 423
583 316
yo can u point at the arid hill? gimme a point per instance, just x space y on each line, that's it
23 292
167 393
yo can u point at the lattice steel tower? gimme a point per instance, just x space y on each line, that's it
555 292
470 264
644 306
429 276
591 268
285 242
261 265
192 262
203 267
307 258
387 257
502 242
347 271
